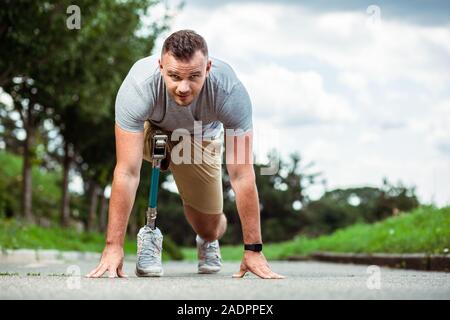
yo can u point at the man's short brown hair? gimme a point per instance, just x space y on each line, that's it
183 44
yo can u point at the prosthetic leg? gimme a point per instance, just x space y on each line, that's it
150 238
159 142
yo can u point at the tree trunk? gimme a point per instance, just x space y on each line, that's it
65 206
27 191
103 213
93 203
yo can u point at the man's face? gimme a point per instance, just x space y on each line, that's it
184 79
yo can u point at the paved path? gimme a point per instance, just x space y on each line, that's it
306 280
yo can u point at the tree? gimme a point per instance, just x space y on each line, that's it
340 208
49 68
31 55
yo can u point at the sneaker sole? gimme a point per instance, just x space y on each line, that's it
148 274
206 270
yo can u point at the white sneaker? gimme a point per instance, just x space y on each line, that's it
149 252
209 259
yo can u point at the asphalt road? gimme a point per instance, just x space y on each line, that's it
305 280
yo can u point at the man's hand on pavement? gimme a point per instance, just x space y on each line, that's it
112 261
256 263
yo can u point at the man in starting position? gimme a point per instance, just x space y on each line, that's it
173 93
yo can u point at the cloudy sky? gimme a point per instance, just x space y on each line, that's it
362 91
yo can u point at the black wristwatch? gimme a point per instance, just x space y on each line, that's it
256 247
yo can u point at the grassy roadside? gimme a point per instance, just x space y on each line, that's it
14 235
424 230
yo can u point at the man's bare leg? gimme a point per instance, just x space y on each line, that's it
208 226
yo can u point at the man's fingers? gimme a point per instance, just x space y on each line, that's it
241 273
100 272
121 273
276 276
272 275
264 272
261 271
101 269
90 274
113 272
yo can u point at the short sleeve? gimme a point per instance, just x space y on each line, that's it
236 111
131 109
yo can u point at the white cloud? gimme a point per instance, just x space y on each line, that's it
294 98
353 80
435 126
369 137
324 150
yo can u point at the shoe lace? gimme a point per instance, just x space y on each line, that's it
149 250
210 250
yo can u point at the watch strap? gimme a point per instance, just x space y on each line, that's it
256 247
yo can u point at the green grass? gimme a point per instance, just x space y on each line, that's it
424 230
14 235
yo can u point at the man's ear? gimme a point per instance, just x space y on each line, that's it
208 67
160 65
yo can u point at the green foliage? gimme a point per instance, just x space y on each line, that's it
340 208
10 181
46 191
425 229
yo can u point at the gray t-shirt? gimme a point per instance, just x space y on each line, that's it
222 100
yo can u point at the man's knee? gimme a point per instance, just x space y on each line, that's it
214 231
208 235
208 226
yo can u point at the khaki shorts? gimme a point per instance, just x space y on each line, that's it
199 183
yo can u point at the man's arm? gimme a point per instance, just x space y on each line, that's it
129 146
239 159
